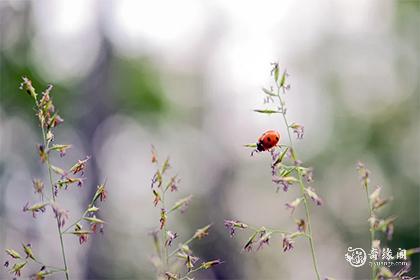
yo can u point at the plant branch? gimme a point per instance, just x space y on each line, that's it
177 250
46 144
302 187
371 229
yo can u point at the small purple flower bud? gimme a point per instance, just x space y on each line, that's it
285 182
61 214
364 173
170 237
233 225
202 232
38 186
315 198
80 166
163 218
173 184
298 129
389 231
292 205
209 264
83 238
264 240
38 207
101 229
154 155
301 225
26 207
308 174
287 243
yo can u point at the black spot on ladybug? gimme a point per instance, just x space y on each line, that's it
277 139
268 139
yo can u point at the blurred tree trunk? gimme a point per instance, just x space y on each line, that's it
96 99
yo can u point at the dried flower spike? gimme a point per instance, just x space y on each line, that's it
163 238
48 120
38 186
202 232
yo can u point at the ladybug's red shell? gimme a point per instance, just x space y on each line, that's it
268 140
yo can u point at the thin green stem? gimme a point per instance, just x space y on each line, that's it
44 136
63 253
308 218
177 250
165 253
273 230
302 188
371 229
73 224
48 266
190 272
81 218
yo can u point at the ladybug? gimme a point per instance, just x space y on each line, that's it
268 140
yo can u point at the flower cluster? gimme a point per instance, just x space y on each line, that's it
93 224
287 171
379 225
376 202
49 119
262 236
167 263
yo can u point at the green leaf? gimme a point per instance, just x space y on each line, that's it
281 156
251 240
267 111
60 146
92 209
80 232
413 251
283 78
13 253
268 92
17 267
292 151
276 73
250 145
181 202
28 251
93 220
165 166
286 171
37 206
209 264
58 170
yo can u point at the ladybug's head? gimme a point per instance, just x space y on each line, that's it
260 146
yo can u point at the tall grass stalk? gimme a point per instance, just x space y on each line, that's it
181 263
301 184
287 171
382 226
49 119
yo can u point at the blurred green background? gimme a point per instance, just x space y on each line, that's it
185 76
